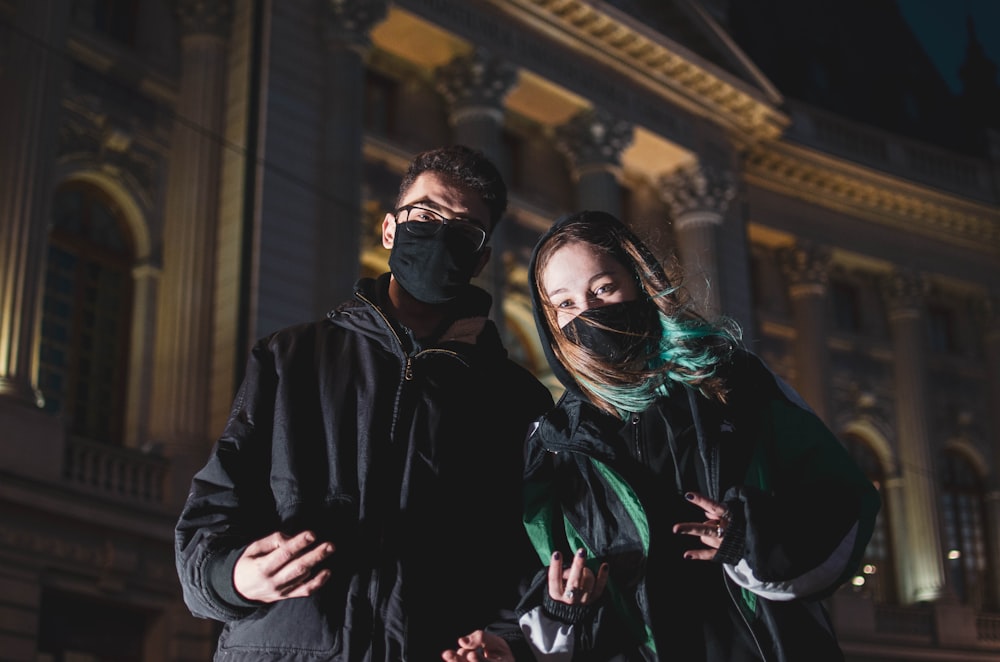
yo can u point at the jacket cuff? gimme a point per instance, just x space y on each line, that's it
219 571
569 614
734 540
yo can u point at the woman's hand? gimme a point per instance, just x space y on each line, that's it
710 532
576 584
479 646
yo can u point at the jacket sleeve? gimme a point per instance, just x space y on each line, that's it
229 503
552 631
801 522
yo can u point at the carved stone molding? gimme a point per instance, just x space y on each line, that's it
594 137
638 52
349 22
698 189
806 268
476 80
813 177
211 17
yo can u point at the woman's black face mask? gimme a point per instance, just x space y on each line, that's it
620 332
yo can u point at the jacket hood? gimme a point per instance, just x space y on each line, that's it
617 230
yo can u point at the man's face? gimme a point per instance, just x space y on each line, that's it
432 191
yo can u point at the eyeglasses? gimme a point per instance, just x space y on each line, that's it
426 223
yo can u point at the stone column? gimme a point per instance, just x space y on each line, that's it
475 87
593 141
30 83
806 270
698 197
179 417
346 28
925 580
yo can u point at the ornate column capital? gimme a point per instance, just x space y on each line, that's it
476 81
347 23
204 17
700 192
806 267
904 292
594 139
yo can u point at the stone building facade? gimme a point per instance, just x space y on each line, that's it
181 177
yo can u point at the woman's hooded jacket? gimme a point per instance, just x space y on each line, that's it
802 513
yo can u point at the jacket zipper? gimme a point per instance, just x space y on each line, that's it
636 437
739 610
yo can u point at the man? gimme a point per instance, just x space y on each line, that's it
363 502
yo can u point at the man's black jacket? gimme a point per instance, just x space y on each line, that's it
407 458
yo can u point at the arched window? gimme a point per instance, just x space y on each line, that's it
86 314
876 576
964 526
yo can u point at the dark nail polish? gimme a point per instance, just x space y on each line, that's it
556 556
689 496
688 557
581 553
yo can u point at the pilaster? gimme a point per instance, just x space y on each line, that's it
904 293
31 90
179 416
806 270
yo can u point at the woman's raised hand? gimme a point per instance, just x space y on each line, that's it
576 584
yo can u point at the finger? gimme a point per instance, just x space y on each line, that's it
307 588
575 572
600 581
264 546
713 509
286 550
299 569
471 641
556 576
700 554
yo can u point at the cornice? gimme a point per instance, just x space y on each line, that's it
641 53
820 179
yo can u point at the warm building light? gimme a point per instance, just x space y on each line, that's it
869 569
858 581
954 554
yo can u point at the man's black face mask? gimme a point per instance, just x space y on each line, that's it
620 332
434 268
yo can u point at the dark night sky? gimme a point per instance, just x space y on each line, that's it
941 27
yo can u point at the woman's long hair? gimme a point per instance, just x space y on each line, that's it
690 350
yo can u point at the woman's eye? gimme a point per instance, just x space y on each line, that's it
564 304
604 289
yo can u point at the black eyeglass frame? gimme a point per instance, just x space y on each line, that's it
467 227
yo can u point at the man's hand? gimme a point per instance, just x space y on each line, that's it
279 567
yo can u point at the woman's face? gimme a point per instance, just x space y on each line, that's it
578 276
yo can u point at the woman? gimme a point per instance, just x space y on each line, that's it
724 508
